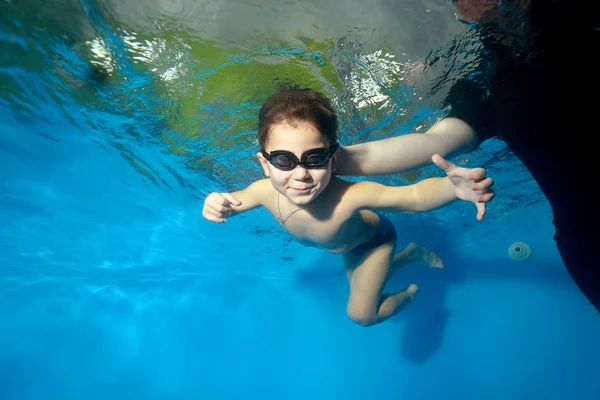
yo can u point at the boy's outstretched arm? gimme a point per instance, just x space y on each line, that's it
428 194
448 137
219 206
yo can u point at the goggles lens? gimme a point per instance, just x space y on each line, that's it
312 159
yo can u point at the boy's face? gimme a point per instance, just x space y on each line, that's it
301 185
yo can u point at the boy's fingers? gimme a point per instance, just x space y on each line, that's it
231 199
480 210
217 209
485 198
484 184
477 174
442 163
214 209
213 218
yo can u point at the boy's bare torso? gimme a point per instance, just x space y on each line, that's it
331 222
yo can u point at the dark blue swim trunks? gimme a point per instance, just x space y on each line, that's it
386 232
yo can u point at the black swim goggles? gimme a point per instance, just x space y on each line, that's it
311 159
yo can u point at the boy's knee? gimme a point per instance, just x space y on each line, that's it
362 316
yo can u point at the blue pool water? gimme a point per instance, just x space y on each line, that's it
113 286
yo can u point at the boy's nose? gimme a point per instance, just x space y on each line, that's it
300 173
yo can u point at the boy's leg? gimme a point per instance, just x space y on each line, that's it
367 275
416 253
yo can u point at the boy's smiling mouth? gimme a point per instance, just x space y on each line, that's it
303 190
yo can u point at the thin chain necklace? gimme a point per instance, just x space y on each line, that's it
278 214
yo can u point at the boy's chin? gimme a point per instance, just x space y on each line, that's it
302 200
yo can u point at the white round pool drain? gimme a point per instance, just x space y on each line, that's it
519 251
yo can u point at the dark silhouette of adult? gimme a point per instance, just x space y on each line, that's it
541 97
536 87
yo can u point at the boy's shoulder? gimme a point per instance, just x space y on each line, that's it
262 185
265 182
261 188
259 192
348 191
357 195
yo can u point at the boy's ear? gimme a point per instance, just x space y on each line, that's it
334 159
264 164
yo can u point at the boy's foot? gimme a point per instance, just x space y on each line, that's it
426 256
412 290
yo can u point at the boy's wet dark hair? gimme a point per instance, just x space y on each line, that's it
293 104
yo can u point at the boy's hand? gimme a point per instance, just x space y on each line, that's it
470 184
218 206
